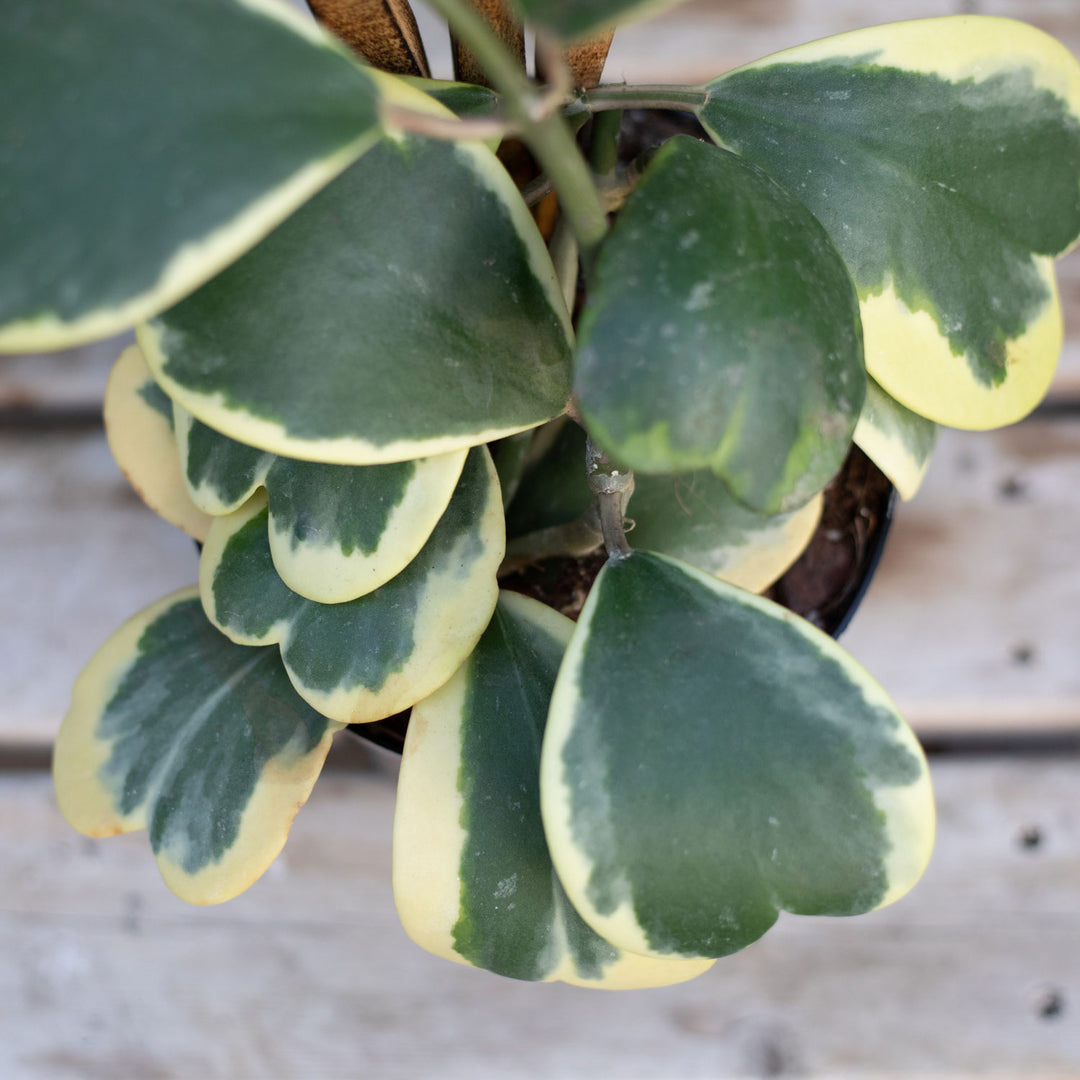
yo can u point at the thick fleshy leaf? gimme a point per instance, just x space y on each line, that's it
690 516
197 127
576 19
374 656
139 427
462 99
421 330
711 759
898 441
553 489
721 331
943 157
175 729
336 531
473 881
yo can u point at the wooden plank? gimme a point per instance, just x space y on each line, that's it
70 380
693 42
973 619
81 555
972 623
309 974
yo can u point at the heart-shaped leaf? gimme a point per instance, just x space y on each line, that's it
473 881
422 331
336 531
898 441
691 516
721 331
711 759
175 729
943 157
374 656
462 99
139 427
196 128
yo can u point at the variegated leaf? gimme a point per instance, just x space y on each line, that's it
711 759
943 157
692 517
473 881
196 128
462 99
139 427
721 331
174 729
422 331
898 441
368 658
336 531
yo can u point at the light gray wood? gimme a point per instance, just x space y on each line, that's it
308 974
972 622
694 42
81 553
973 619
72 379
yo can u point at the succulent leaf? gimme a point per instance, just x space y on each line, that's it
197 127
174 729
139 427
473 881
689 793
336 531
898 441
721 331
943 158
371 657
420 331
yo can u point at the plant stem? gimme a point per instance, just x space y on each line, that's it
604 151
679 98
612 488
547 136
576 538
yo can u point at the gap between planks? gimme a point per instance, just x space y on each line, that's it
975 973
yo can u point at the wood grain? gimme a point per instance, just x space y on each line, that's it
972 622
308 974
973 619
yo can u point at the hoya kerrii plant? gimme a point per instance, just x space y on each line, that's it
383 319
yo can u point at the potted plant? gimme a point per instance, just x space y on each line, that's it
364 348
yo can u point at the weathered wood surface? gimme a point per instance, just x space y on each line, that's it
972 622
973 619
81 554
105 974
695 41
